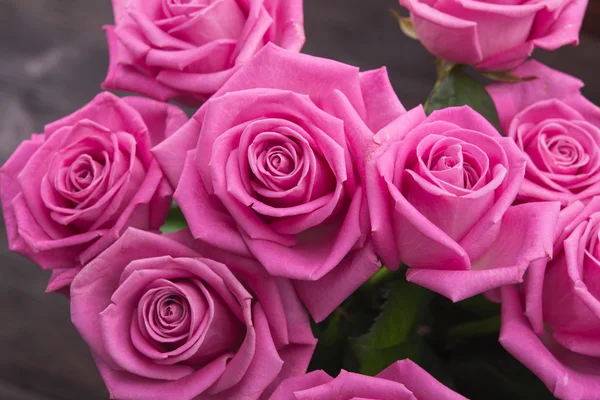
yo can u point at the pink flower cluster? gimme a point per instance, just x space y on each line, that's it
298 178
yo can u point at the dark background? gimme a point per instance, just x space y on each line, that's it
52 59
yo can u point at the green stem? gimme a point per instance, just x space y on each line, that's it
380 276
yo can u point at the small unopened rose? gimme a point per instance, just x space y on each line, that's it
165 321
403 380
494 35
557 128
274 168
187 49
69 193
551 323
440 191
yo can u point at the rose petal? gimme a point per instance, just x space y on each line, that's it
505 262
518 339
418 381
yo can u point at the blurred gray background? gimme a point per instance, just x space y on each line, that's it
53 57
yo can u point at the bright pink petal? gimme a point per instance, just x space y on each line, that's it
511 99
564 380
418 381
506 262
324 295
203 210
450 38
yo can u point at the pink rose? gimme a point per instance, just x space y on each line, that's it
557 128
164 322
551 323
273 170
189 48
491 35
69 193
440 191
403 380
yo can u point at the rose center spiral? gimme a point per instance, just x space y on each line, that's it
564 151
166 314
279 161
82 173
455 167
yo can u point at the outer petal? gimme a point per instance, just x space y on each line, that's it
379 199
122 385
526 235
169 152
324 295
564 379
565 30
275 68
510 99
162 119
123 76
203 84
286 390
61 279
450 38
265 367
466 118
9 189
381 103
287 30
418 381
354 386
204 210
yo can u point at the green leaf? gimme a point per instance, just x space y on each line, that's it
175 220
406 25
387 340
460 89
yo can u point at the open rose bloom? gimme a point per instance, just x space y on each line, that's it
69 193
187 49
551 323
403 380
273 169
557 128
165 321
440 191
494 35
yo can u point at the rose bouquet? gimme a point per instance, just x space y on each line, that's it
301 235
